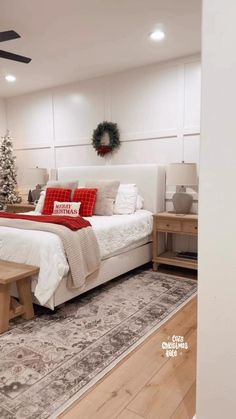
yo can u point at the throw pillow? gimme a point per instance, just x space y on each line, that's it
71 184
106 195
40 203
70 209
52 195
140 203
65 185
126 199
87 198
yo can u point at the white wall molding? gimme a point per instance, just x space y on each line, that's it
153 106
38 146
135 136
150 135
76 143
187 131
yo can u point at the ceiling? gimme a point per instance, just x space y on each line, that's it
70 40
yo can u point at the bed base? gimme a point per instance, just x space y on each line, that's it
109 269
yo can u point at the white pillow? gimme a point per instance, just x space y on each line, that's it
66 209
126 199
40 203
140 202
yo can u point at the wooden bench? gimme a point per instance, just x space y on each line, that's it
11 272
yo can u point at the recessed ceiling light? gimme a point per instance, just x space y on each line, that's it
157 35
10 78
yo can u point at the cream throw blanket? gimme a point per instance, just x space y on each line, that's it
81 247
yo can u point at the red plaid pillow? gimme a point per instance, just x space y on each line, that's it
87 197
55 194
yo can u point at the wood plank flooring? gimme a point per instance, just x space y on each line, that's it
147 384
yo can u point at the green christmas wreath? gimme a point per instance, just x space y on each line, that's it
106 138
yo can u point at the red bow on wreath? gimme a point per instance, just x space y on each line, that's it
103 149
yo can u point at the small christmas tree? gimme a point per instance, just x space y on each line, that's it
8 183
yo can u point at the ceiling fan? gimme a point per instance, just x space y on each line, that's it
8 36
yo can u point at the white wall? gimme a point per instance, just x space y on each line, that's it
2 117
216 383
157 108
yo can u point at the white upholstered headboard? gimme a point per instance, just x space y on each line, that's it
149 178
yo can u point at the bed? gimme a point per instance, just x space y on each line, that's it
124 240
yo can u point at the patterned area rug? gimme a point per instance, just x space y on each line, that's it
48 362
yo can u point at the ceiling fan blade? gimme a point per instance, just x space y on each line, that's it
8 35
14 57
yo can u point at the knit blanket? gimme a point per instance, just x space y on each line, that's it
80 246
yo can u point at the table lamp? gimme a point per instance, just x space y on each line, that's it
182 175
34 179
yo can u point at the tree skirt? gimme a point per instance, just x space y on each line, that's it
49 362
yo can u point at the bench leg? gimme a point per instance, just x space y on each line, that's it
4 307
25 297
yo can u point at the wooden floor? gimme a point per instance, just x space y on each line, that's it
147 384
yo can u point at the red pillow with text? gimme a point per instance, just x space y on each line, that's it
55 194
87 197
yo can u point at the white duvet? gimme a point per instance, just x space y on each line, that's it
115 234
118 232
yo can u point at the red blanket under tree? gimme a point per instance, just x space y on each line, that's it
73 223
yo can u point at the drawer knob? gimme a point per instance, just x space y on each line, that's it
195 228
167 225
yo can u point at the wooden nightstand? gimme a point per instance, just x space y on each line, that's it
171 223
22 207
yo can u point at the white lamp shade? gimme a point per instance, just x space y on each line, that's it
181 174
34 176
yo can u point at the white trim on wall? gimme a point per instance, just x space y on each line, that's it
160 98
38 146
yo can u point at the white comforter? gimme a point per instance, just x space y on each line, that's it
115 234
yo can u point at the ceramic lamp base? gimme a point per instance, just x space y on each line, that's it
182 202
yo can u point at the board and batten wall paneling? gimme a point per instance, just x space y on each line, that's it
191 114
153 150
78 108
39 157
30 120
82 155
191 148
156 107
147 102
3 122
192 99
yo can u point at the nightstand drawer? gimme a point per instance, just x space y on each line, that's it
171 225
190 227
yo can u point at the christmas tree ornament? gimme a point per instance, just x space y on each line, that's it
8 183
